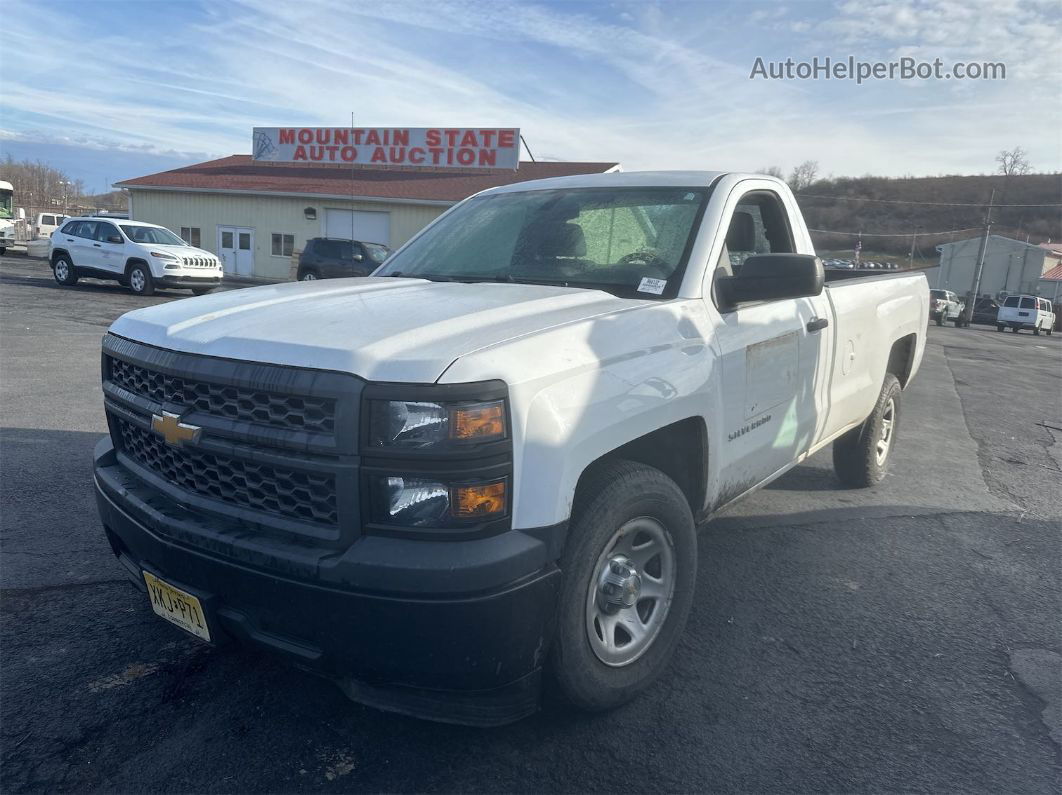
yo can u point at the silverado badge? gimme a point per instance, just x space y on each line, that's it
175 432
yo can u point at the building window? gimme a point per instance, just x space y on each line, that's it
283 245
190 235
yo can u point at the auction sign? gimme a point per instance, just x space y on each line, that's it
438 147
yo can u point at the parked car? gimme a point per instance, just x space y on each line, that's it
488 460
944 305
139 255
332 258
1026 311
44 224
985 311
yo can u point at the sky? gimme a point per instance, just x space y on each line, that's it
109 90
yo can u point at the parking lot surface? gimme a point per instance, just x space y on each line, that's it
904 637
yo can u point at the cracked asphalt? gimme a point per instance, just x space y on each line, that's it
905 637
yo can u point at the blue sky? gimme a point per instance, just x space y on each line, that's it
113 90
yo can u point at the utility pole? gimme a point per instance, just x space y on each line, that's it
910 256
976 287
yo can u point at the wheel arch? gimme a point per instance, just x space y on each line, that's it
129 263
58 252
902 358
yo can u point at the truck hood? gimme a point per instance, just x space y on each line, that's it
379 328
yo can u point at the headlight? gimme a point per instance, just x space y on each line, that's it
419 502
408 424
164 255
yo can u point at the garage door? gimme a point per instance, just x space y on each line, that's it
358 225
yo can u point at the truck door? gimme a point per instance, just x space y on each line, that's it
774 354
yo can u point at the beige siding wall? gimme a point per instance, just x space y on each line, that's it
266 215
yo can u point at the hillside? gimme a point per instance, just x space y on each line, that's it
856 210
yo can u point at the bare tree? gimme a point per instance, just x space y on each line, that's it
803 175
773 171
1013 162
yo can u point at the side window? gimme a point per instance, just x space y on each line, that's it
104 231
282 245
87 229
69 228
759 226
1027 303
47 220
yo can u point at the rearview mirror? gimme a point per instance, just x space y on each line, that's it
115 239
358 257
771 277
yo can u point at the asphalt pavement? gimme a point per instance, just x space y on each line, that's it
905 637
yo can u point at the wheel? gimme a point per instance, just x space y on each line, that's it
630 568
308 276
202 290
959 321
1036 330
140 281
861 456
63 271
940 319
3 250
1015 329
999 328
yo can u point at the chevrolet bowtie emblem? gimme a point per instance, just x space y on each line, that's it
170 428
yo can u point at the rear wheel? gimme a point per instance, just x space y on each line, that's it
630 568
1036 330
1000 328
940 319
308 276
861 456
63 270
140 281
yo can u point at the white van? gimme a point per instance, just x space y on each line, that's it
1025 311
46 223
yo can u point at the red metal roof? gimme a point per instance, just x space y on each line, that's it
238 173
1055 274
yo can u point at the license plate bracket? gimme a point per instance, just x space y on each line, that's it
177 606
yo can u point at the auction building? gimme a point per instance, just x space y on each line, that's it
1010 267
256 215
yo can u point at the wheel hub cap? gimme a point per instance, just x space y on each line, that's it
619 586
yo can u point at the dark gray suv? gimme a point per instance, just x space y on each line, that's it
332 258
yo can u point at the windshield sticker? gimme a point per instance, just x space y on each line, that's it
654 286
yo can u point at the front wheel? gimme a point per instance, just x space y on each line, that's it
940 319
861 456
1000 328
308 276
630 568
140 281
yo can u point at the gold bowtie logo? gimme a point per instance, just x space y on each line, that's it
175 432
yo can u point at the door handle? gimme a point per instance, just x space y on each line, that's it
818 324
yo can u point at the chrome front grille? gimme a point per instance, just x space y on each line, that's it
200 262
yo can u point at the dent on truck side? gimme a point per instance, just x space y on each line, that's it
582 390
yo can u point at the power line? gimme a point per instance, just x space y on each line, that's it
904 201
894 234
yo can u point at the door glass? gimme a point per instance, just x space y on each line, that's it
104 231
245 241
226 240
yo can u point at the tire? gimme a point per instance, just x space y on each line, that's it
308 275
1000 328
202 290
618 505
858 458
3 250
1036 330
64 271
940 319
959 322
139 279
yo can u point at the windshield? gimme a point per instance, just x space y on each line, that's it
630 241
376 252
155 235
5 203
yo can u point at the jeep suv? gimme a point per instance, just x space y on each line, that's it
138 255
333 258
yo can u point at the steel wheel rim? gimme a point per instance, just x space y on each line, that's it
888 422
642 550
136 280
309 277
61 270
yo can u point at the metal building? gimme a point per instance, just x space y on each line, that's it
1011 266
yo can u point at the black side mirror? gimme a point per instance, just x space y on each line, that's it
115 239
771 277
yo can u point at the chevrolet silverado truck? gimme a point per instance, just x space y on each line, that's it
479 471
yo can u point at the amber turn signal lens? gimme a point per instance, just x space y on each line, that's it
481 422
478 502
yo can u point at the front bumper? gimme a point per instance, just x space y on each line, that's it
446 630
188 281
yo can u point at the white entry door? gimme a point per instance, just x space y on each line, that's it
368 227
236 249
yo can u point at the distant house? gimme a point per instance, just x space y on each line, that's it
1011 266
255 215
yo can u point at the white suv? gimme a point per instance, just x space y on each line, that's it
142 256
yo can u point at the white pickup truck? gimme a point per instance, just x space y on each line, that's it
488 460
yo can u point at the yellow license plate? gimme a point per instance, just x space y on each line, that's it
176 606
